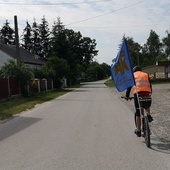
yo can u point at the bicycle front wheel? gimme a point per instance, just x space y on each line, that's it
147 132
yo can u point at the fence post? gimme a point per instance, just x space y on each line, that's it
46 86
9 89
38 84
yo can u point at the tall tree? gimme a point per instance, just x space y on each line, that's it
166 44
71 46
35 39
134 51
7 33
44 33
88 47
26 40
59 45
152 49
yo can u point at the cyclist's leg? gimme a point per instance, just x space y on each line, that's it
137 117
147 105
138 123
147 110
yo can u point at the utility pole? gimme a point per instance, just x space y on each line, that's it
16 38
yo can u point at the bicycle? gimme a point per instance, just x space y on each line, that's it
144 119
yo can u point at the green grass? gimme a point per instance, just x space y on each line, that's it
109 83
12 107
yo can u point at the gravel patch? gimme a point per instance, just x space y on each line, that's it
160 110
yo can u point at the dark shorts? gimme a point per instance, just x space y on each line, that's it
144 104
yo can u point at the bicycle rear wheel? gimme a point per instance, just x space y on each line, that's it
147 132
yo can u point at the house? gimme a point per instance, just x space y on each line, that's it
159 71
9 86
8 52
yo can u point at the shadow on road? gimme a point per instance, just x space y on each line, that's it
9 128
159 146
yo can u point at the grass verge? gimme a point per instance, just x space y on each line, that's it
12 107
109 83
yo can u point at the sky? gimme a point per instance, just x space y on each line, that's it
106 21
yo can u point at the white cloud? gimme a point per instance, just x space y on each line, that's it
105 21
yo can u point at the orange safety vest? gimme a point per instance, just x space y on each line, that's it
142 82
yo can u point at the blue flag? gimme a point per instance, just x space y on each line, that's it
121 70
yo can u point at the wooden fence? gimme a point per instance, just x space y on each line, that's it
9 87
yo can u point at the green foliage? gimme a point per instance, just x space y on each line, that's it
59 65
109 83
44 33
26 40
166 44
44 72
134 51
69 45
95 72
106 69
58 68
7 33
79 51
18 70
35 39
150 52
74 52
152 48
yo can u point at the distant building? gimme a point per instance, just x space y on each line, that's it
8 52
159 71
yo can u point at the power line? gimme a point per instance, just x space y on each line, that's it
121 26
106 13
63 3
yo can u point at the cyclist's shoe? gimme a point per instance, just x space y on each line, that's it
143 134
150 119
138 133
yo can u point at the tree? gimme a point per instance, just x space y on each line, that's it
35 39
59 69
166 44
152 49
59 45
78 51
27 43
44 33
18 70
134 51
106 69
88 48
7 34
95 72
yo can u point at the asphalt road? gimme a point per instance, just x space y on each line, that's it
86 129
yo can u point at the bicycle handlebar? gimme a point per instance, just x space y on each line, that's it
127 98
140 98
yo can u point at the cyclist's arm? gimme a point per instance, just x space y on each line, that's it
150 83
128 92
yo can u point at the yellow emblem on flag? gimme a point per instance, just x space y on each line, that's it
121 66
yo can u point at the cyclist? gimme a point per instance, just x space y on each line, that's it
142 88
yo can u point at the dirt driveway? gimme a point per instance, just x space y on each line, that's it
160 110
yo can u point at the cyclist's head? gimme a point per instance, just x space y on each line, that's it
137 68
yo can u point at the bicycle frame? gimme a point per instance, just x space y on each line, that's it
144 120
